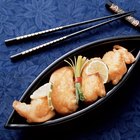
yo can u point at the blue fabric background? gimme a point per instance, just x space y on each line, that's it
121 118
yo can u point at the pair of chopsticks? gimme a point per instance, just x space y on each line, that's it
56 41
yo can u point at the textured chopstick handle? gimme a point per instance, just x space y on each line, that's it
116 9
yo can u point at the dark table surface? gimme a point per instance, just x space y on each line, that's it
119 118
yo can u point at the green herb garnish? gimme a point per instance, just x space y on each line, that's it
49 97
77 66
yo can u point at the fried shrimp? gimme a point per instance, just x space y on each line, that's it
63 93
128 57
116 61
92 86
38 110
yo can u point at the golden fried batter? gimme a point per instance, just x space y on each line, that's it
63 93
37 111
116 61
128 57
92 86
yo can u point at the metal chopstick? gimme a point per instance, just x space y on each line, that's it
56 41
37 34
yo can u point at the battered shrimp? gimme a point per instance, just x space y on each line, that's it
92 86
116 61
128 57
38 110
63 93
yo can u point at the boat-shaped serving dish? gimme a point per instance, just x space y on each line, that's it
90 50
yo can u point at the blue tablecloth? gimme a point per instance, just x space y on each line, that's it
121 116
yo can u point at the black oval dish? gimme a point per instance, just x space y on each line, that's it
93 49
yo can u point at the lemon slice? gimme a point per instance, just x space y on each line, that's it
96 65
42 91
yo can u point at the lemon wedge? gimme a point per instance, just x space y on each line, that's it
96 65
